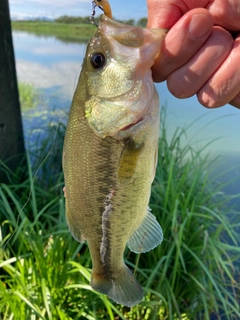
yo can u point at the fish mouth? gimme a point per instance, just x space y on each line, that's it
127 131
121 133
132 125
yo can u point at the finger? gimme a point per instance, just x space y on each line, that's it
225 14
165 13
182 42
236 101
162 14
188 80
224 85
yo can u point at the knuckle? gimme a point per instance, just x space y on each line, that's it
180 84
210 98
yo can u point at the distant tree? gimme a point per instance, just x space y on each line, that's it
83 20
142 22
70 19
12 149
130 22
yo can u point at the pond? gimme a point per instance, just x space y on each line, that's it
54 67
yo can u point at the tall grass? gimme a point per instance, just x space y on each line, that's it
45 273
194 268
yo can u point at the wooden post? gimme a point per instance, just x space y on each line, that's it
12 150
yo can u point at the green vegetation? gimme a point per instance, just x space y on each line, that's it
85 20
29 96
63 31
44 272
67 28
73 20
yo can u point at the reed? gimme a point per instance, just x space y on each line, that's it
45 273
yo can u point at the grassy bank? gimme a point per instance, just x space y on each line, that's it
63 31
45 273
67 28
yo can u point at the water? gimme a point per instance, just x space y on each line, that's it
54 67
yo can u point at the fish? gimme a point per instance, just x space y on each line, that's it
110 154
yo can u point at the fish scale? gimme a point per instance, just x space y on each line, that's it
110 155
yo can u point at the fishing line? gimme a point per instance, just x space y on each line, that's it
3 246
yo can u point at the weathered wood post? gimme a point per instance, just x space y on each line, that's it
12 150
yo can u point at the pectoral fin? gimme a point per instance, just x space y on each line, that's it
129 159
73 227
148 236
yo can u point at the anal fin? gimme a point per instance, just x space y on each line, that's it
148 236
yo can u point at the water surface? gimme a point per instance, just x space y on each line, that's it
54 66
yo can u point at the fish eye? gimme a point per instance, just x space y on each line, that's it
97 60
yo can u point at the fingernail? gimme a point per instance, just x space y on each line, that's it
199 25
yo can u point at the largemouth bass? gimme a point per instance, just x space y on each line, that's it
110 154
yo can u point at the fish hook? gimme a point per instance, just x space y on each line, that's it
104 6
92 17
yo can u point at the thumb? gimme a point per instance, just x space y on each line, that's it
182 42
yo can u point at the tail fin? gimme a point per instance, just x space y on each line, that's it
124 289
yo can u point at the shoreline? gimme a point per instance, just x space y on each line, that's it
75 32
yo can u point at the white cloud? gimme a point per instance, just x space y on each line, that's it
25 16
62 3
130 9
60 75
51 8
53 51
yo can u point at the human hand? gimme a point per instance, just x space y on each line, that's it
199 55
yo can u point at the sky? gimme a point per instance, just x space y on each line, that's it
55 8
